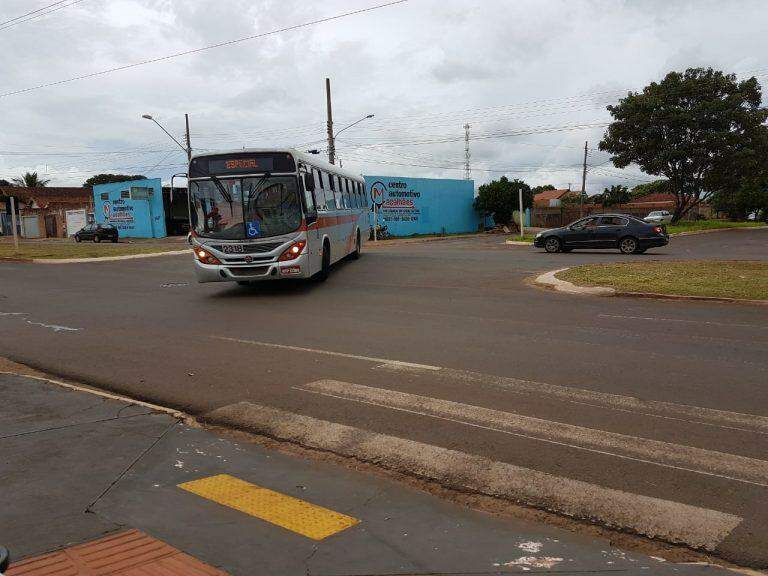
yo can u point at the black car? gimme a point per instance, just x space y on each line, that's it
97 233
627 233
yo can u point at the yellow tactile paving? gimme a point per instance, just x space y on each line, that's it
291 513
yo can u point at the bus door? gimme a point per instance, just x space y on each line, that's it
310 217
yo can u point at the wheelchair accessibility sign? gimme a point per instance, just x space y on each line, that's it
253 229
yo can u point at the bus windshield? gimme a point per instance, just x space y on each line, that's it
240 208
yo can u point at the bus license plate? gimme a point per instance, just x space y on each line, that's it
232 249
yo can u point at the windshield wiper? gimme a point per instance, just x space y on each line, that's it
221 189
252 191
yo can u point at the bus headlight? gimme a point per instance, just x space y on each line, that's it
293 251
205 257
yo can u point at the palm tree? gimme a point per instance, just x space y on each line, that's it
30 180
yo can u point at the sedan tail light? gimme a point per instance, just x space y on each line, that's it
658 229
293 251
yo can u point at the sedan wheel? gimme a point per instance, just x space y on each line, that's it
77 238
552 245
96 239
628 245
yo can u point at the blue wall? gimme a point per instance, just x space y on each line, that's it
129 206
423 205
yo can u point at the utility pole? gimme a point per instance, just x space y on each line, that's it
467 155
189 145
331 143
522 214
13 224
583 182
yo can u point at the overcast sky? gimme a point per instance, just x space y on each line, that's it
527 75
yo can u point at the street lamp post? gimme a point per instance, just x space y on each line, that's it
350 126
187 149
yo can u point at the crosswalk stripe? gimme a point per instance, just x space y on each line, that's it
652 408
677 456
653 517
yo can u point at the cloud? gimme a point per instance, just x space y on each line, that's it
424 68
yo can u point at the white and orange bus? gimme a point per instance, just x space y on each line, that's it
265 214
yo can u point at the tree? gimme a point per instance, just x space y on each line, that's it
499 199
110 178
615 195
30 180
750 198
5 183
655 187
701 130
536 189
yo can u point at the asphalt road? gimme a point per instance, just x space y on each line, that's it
463 310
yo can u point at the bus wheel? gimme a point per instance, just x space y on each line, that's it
356 253
322 276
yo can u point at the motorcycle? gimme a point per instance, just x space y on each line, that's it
381 232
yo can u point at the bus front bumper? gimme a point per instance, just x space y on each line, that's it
298 268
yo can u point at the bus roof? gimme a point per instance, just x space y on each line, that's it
312 159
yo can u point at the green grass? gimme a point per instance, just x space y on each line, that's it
695 226
526 238
725 279
58 250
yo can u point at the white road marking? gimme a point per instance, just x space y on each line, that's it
618 403
647 451
651 408
397 364
683 321
54 327
13 314
645 515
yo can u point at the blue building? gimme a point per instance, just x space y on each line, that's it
135 207
423 205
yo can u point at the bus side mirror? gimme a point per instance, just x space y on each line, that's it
309 182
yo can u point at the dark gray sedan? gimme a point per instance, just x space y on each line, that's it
626 233
97 233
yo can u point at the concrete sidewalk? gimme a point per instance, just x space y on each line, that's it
77 467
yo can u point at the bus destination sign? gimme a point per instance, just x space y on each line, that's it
240 165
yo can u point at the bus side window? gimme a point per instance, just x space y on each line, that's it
364 195
353 194
345 193
330 201
337 191
360 199
319 194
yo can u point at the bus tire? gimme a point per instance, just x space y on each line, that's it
356 252
325 269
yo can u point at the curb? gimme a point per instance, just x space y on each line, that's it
102 394
106 258
398 241
518 243
549 280
695 232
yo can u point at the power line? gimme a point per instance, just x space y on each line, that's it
204 48
32 12
12 24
